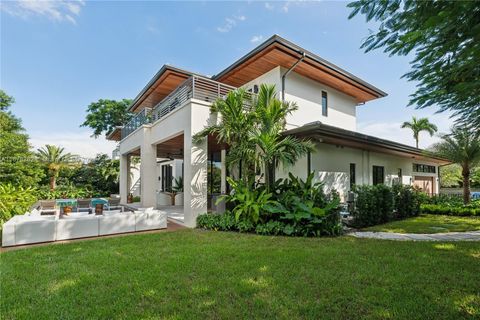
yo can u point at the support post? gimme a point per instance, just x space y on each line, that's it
148 171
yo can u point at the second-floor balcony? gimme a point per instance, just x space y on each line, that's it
195 87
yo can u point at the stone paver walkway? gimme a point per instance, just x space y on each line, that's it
450 236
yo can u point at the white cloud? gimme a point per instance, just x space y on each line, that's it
390 130
269 6
285 6
230 22
256 39
59 10
79 143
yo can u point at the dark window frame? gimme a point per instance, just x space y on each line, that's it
353 173
378 175
324 103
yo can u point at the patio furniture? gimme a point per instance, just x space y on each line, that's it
84 204
28 229
114 203
150 220
79 226
117 222
47 207
62 203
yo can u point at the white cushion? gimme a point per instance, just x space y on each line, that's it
35 212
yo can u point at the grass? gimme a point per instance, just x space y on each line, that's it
429 223
195 274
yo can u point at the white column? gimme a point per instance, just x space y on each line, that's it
148 172
194 179
223 171
124 177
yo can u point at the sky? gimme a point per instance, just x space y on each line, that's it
58 57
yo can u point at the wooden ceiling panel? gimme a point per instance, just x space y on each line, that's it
278 55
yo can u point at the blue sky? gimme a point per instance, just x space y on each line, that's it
57 57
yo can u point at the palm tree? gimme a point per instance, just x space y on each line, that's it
419 125
236 119
55 159
273 148
252 129
462 146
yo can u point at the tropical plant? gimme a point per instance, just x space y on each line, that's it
235 120
15 200
248 204
105 115
461 146
55 158
18 165
443 37
419 125
252 128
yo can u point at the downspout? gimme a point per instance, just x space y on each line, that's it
288 71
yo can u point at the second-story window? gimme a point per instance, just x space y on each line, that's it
324 104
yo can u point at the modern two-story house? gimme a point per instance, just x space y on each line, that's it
174 106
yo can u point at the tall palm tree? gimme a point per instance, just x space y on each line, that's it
461 146
419 125
273 148
55 159
252 127
235 121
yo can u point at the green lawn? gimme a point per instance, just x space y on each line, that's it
197 274
430 224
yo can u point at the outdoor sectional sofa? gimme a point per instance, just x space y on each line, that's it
26 229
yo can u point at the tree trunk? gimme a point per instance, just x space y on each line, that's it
267 177
466 184
52 183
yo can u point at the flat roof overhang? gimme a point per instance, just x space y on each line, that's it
115 135
277 51
166 80
337 136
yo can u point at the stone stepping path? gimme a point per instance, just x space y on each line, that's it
450 236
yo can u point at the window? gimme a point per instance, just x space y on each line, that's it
324 104
352 175
400 175
255 89
167 178
423 168
378 175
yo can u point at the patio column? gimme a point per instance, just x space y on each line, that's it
195 180
148 172
124 177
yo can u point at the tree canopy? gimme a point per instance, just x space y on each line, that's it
104 115
18 165
444 38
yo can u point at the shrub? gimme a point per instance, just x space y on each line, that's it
15 200
448 210
407 201
373 205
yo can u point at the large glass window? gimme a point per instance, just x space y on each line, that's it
378 175
167 178
214 173
324 104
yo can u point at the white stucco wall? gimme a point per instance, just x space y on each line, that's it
331 165
307 94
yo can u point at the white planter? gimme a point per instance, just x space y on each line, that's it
163 199
179 199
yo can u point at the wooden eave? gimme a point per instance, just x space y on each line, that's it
277 51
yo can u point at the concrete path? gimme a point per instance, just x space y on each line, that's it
450 236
